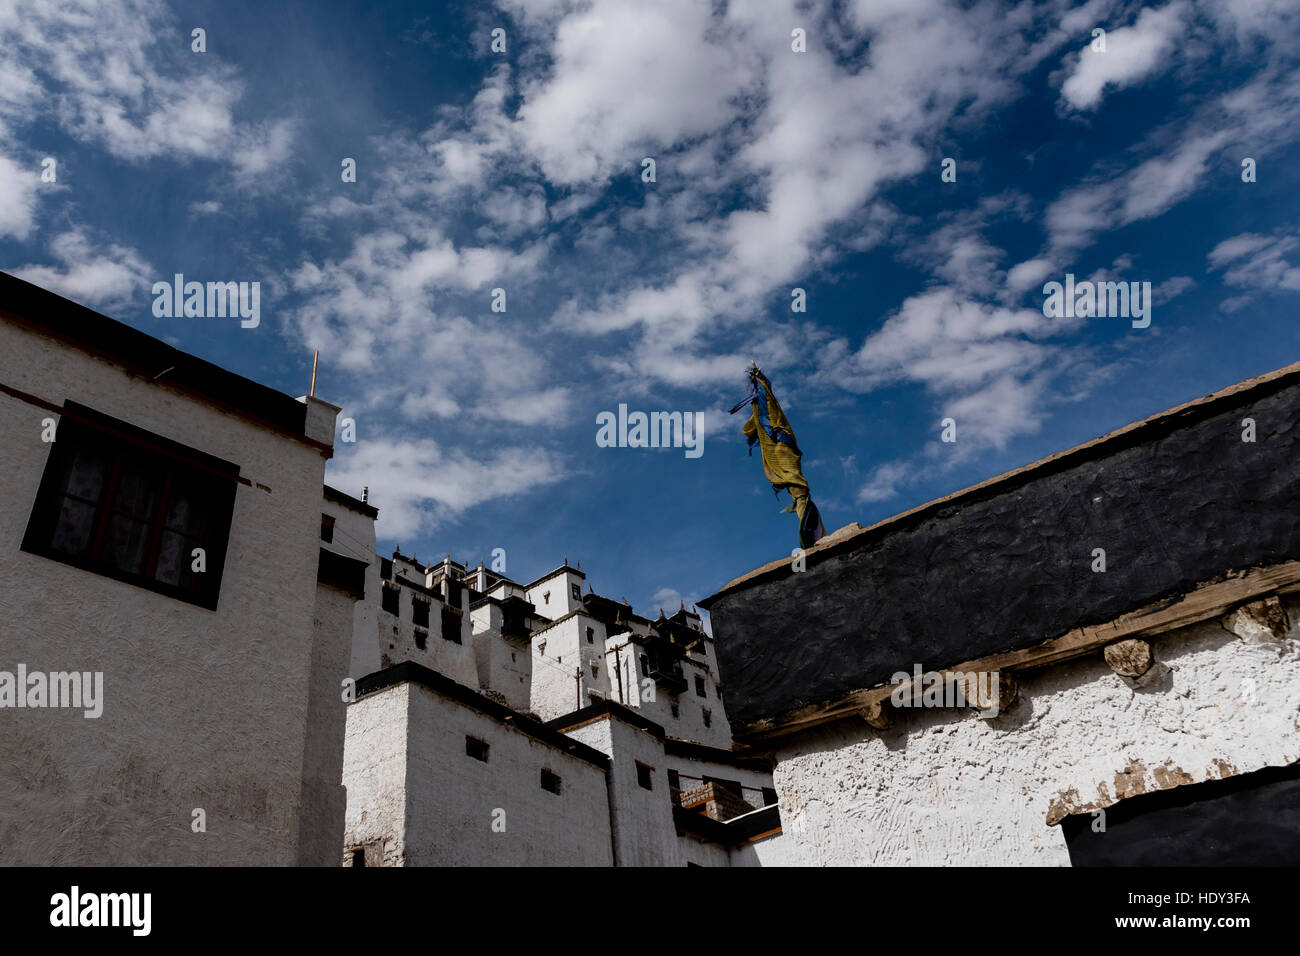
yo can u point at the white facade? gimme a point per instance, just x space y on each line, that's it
213 714
418 798
945 787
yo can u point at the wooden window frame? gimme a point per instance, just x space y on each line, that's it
180 466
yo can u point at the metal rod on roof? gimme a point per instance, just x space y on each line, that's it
315 358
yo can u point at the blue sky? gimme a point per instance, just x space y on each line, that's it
775 170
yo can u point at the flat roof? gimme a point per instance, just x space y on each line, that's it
76 325
356 504
409 672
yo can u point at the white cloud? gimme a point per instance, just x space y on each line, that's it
19 189
105 73
418 485
1132 54
96 273
1257 263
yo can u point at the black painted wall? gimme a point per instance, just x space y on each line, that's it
1249 820
1173 504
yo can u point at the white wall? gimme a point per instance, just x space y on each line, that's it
396 636
204 709
450 799
553 597
644 833
945 788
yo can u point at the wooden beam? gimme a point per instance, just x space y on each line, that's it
1205 602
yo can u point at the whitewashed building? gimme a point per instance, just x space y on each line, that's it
541 724
1094 659
160 543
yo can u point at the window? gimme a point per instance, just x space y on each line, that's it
358 857
550 781
386 569
131 505
643 776
420 612
677 710
769 796
390 600
674 780
645 664
591 635
576 591
595 670
699 687
451 589
476 748
421 639
546 598
327 528
450 624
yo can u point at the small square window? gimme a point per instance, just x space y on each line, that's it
478 749
391 600
550 781
327 528
595 670
699 687
643 776
769 796
591 635
421 639
576 591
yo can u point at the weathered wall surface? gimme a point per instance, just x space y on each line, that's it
946 787
374 776
644 832
324 799
1013 567
452 799
203 709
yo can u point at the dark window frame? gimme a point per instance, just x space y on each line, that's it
327 528
395 594
551 782
419 612
645 775
451 620
176 470
477 748
700 690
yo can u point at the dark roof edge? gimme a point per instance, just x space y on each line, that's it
733 832
696 751
550 574
409 672
607 708
356 504
22 302
1132 434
